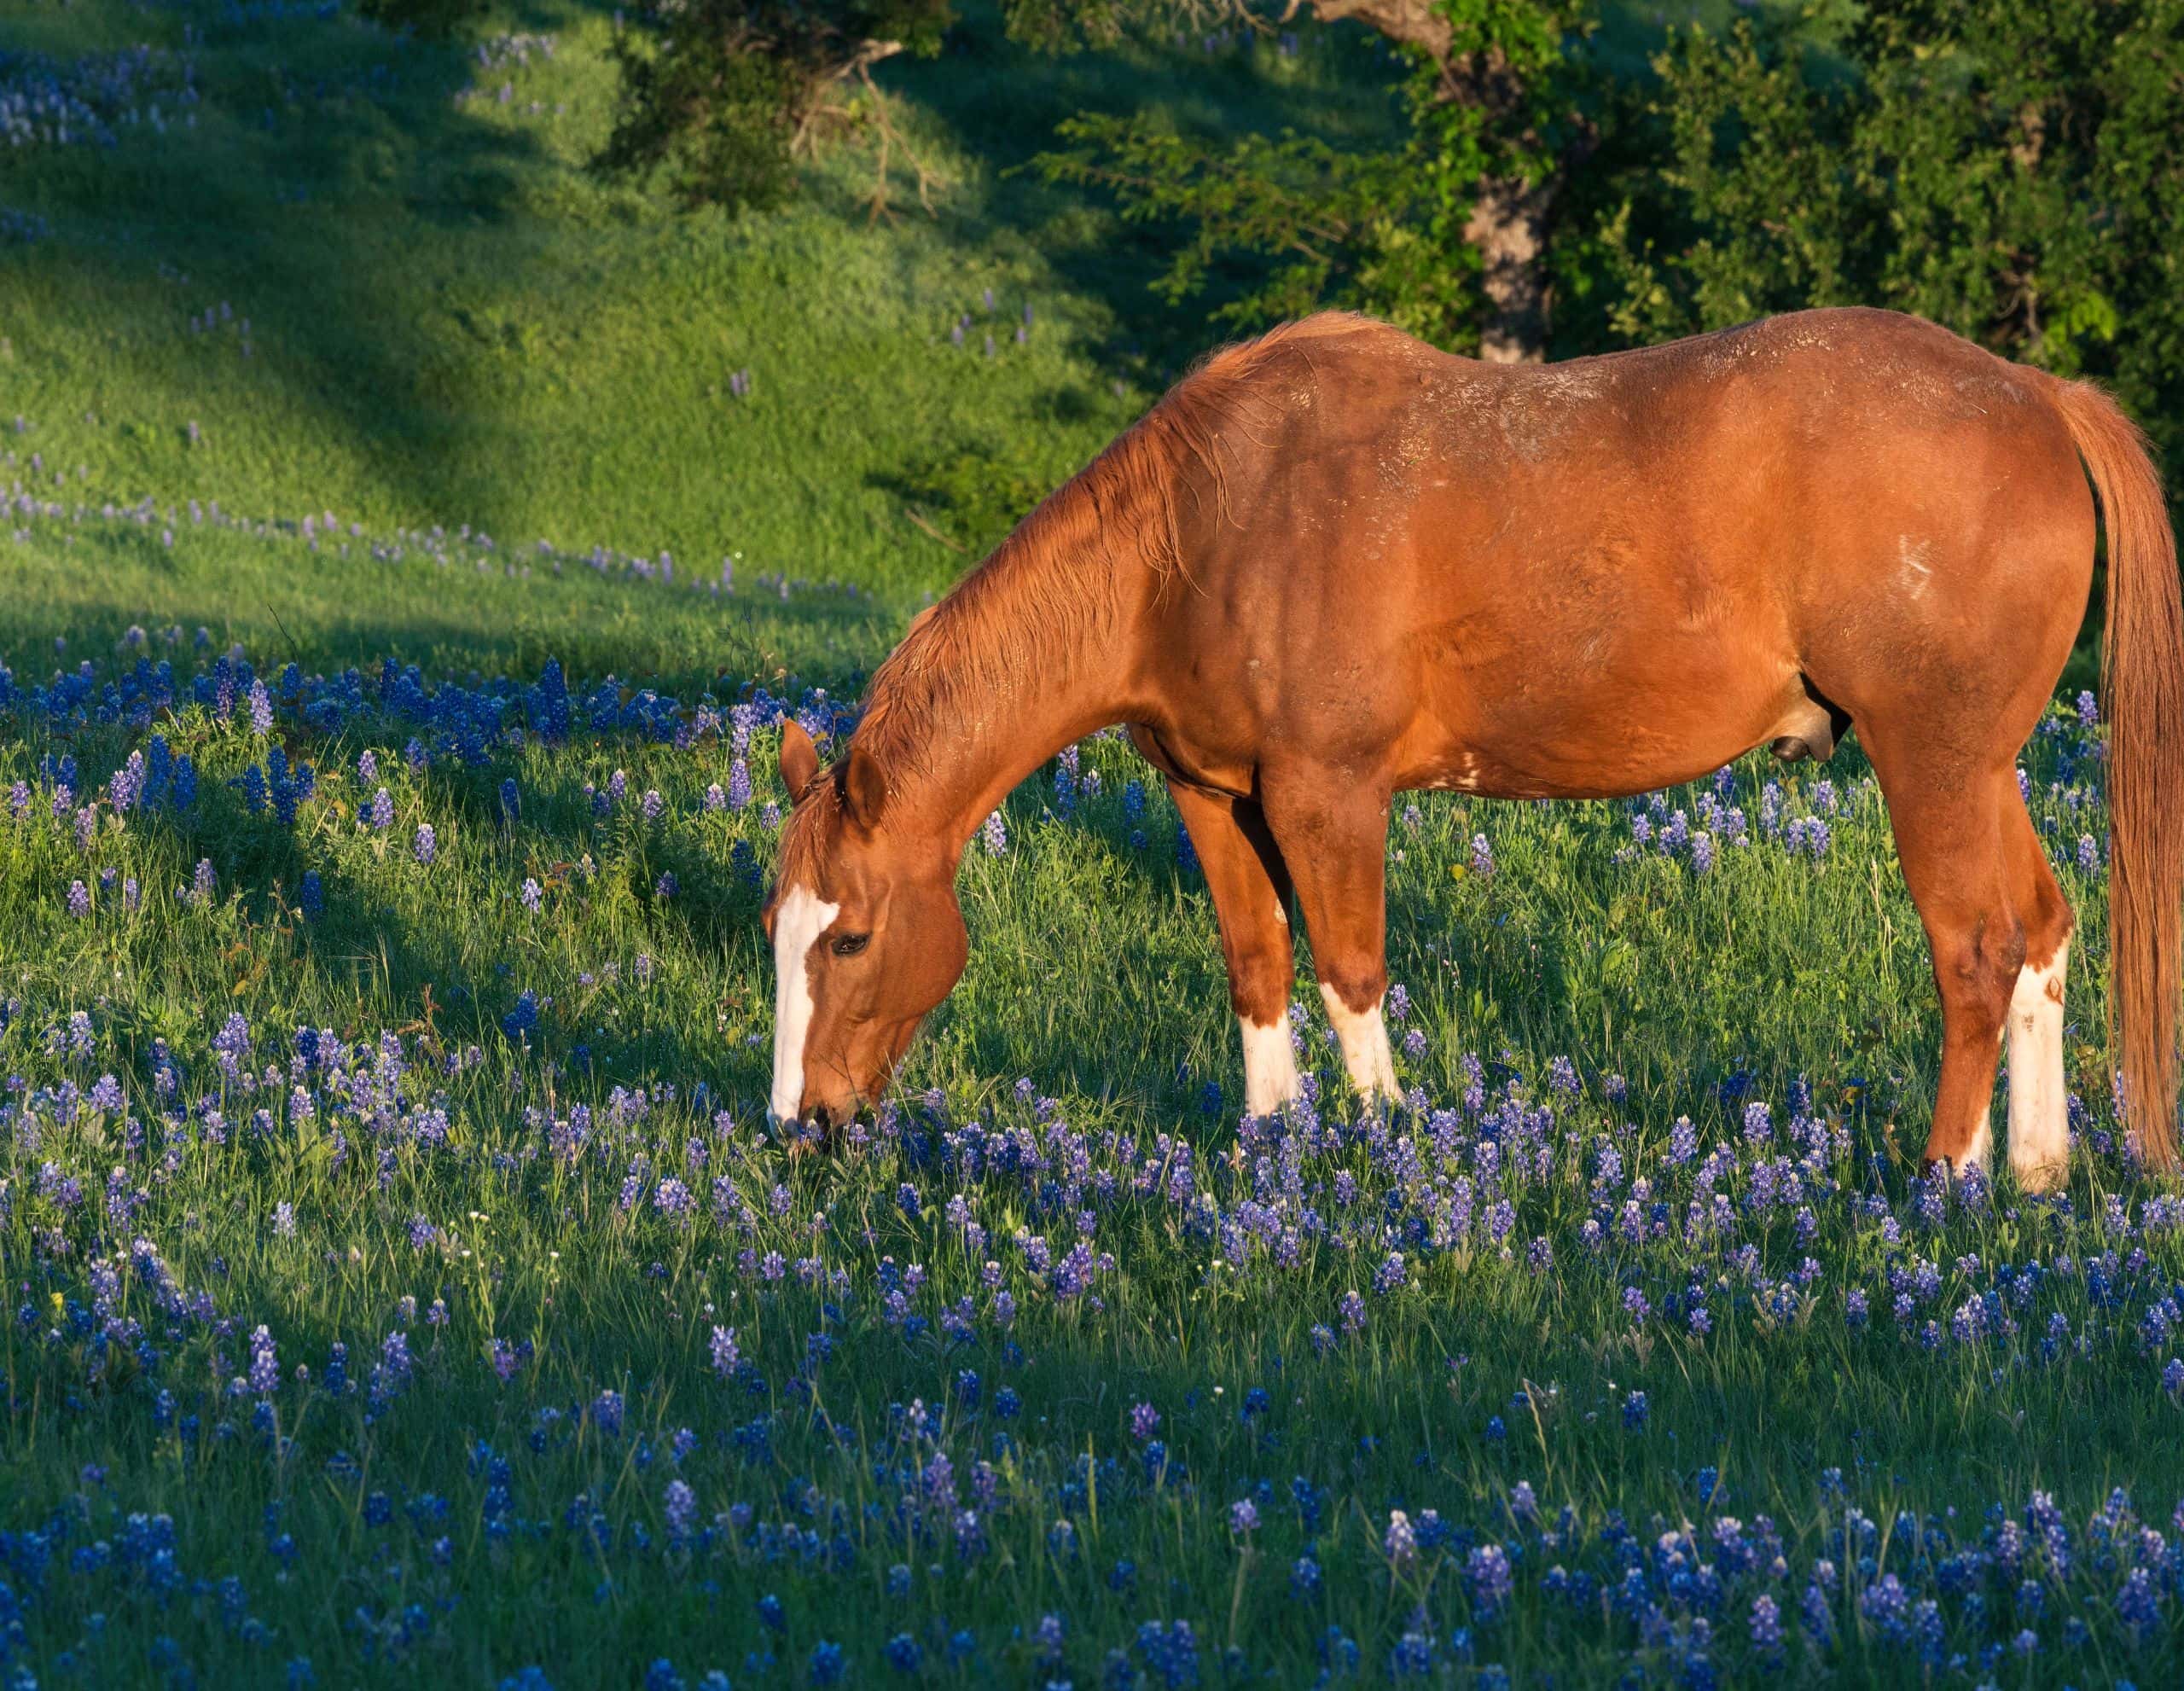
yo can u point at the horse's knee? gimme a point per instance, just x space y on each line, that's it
1359 982
1259 982
2049 925
1977 968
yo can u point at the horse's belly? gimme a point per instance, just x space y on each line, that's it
1632 717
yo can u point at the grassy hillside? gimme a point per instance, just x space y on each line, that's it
319 267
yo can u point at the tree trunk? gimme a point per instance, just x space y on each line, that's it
1508 226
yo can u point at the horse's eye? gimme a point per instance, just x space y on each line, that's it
849 945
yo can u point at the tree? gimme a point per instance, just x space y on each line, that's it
1448 235
2015 173
1444 235
726 96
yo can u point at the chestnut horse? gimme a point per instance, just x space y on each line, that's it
1334 564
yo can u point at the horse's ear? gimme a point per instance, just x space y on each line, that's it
799 759
864 787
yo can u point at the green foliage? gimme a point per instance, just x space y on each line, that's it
1057 26
726 95
1316 222
434 18
2010 171
976 495
2006 172
1322 216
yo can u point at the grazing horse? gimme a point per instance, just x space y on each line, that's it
1333 564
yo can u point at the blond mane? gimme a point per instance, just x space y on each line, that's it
1055 586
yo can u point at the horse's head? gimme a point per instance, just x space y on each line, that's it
866 934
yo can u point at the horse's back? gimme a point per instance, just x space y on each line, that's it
1644 555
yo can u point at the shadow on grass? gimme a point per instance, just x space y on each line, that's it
297 160
1003 104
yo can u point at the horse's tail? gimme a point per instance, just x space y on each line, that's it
2142 677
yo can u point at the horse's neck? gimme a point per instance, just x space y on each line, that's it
999 695
979 751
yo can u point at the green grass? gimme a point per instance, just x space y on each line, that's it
1095 974
455 326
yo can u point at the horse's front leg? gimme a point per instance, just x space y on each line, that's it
1335 839
1250 885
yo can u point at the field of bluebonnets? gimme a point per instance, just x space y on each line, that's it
403 1283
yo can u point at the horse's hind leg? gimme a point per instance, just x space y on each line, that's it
1949 836
1244 873
2039 1121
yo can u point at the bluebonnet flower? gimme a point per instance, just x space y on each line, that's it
1400 1543
427 846
1482 856
521 1022
1487 1572
264 1375
680 1507
996 835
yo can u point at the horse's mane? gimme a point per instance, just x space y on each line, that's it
1055 585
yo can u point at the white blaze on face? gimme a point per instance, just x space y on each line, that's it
1364 1040
798 920
2040 1131
1270 1067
